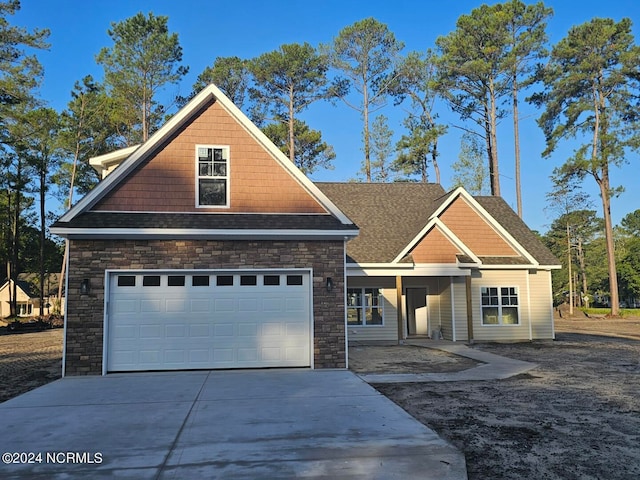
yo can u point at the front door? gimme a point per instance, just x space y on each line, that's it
417 319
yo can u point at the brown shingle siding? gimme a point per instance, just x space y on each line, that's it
474 231
166 181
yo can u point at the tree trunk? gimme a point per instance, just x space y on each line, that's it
495 174
608 233
367 147
434 160
292 148
43 180
569 270
583 267
599 132
516 142
487 137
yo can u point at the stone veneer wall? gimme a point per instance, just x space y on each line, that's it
90 258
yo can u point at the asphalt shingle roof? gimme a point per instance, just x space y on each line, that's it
196 221
389 215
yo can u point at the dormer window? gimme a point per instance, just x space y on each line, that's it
212 176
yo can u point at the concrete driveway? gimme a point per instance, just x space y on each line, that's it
218 424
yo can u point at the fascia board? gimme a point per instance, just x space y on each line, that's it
408 270
103 161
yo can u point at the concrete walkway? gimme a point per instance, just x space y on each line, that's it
252 424
494 367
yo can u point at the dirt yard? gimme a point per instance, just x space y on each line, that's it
29 360
576 416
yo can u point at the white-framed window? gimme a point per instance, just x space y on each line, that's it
500 306
365 307
24 309
212 172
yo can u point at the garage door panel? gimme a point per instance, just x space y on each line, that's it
222 305
125 306
248 330
219 325
248 305
175 331
175 306
151 332
200 305
199 330
272 329
150 305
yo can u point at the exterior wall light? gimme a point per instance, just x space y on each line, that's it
329 284
85 287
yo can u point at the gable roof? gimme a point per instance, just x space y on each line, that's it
26 287
389 215
394 217
81 215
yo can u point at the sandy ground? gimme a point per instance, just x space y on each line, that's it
576 416
29 360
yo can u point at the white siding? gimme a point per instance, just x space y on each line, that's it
388 332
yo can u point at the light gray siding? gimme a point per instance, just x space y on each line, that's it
541 305
388 331
505 278
459 309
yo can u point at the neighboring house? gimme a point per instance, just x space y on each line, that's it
28 304
205 247
27 300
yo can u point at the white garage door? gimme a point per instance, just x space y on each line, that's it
206 320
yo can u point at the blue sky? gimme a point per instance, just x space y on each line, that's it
211 28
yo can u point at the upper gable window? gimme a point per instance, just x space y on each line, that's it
213 176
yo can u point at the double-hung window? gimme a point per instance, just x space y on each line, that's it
500 306
213 176
364 306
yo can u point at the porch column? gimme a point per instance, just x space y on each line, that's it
399 307
469 310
